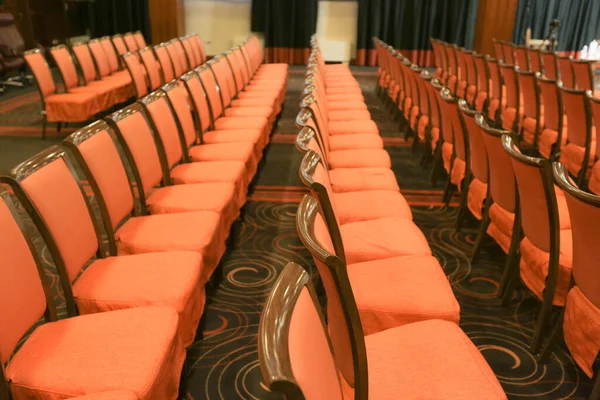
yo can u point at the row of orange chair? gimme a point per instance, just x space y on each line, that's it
529 205
135 211
392 319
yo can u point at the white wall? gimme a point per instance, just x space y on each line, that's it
221 24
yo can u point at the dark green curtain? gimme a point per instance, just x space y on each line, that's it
288 26
121 16
407 25
579 21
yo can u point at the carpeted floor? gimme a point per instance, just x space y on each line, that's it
224 364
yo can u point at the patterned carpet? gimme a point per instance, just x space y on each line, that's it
224 364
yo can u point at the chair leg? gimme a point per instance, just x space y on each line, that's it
462 209
415 144
448 192
551 343
58 126
485 222
437 162
509 282
44 126
540 325
596 390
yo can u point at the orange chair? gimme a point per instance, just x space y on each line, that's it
547 247
470 76
482 98
191 51
431 87
461 88
139 40
522 58
176 59
111 53
578 154
584 72
199 45
397 301
550 64
452 82
509 55
137 351
533 110
454 146
582 308
594 181
379 366
204 120
565 71
59 107
195 144
164 60
512 112
47 187
535 60
137 74
475 187
119 45
130 42
120 86
553 134
107 62
497 99
112 395
152 68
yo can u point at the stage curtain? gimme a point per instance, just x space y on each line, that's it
408 25
121 16
579 22
289 25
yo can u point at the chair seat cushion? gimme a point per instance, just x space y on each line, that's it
382 238
137 350
501 226
357 141
345 97
244 123
353 127
243 112
233 151
401 290
343 89
174 279
346 105
254 102
480 100
371 204
359 158
197 231
219 197
547 139
476 197
359 179
572 155
72 107
534 267
214 171
349 115
254 136
529 125
404 360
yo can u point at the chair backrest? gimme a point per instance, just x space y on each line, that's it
166 65
584 212
95 150
175 57
66 66
537 198
502 181
584 73
471 71
212 90
224 77
452 62
419 75
130 42
496 83
511 83
140 146
509 55
51 193
190 51
565 69
450 112
434 109
136 70
183 59
111 53
476 153
140 40
237 68
483 75
552 101
100 58
576 107
343 320
200 101
164 125
24 292
177 97
522 58
153 70
550 64
462 64
531 93
120 45
499 50
294 348
86 62
535 60
243 64
200 47
594 105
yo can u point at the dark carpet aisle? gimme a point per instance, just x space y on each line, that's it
224 365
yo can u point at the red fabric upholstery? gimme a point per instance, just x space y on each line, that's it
358 179
370 204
